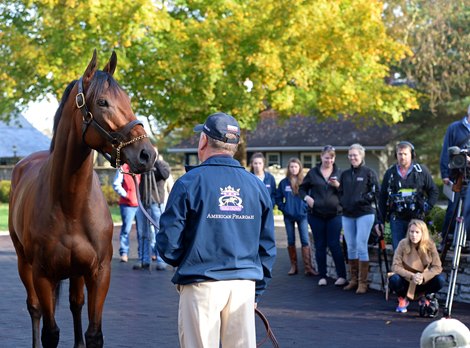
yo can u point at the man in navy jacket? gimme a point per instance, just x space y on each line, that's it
218 230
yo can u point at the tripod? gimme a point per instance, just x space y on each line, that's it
460 239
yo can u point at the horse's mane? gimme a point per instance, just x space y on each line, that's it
96 88
58 113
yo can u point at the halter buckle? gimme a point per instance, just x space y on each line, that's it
80 100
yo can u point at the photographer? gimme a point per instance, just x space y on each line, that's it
457 134
407 192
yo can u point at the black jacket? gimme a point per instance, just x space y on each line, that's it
357 189
418 181
326 197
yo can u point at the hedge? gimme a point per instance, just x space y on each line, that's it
111 196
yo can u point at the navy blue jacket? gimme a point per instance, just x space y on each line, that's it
218 225
326 197
457 134
292 206
270 183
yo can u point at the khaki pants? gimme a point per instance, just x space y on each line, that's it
217 311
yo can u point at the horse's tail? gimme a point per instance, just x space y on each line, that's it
57 293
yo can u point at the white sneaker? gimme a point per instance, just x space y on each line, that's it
322 282
340 281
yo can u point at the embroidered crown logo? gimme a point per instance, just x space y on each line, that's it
230 199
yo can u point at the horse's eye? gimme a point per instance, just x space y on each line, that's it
102 102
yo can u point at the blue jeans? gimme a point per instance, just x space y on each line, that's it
302 225
155 212
128 214
398 284
356 233
326 233
398 228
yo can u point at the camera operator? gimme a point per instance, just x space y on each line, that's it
457 134
407 192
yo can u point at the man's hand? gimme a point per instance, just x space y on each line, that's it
379 229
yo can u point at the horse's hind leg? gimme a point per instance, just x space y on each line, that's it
77 299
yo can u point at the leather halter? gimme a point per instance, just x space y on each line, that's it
117 138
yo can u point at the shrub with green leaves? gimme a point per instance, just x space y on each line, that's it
4 190
111 196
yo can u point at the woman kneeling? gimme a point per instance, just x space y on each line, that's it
417 267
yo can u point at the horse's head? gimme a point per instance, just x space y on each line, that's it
109 124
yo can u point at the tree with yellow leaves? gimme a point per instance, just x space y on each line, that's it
186 59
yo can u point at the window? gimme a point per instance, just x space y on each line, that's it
308 159
192 159
273 158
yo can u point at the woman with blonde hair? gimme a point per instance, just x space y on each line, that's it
294 210
416 264
357 190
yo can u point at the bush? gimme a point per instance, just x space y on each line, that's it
111 196
4 190
435 221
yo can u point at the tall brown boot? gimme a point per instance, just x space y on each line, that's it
307 257
353 272
293 260
363 273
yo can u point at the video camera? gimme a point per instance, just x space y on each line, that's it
457 157
401 203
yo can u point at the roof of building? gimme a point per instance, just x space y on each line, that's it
18 138
302 133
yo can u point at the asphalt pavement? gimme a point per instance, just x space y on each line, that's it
141 309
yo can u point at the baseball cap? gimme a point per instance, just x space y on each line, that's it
445 333
218 125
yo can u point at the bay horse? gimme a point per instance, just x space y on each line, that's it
59 221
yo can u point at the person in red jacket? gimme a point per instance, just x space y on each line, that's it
129 208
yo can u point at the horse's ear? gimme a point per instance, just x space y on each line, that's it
91 69
110 67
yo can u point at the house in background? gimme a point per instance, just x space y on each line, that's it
18 139
304 138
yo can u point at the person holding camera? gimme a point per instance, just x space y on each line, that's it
457 135
407 192
357 190
320 190
417 269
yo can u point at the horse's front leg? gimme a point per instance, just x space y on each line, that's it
97 287
32 302
77 299
45 290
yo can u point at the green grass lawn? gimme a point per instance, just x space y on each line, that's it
3 217
116 215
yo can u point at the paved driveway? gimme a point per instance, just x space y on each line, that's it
141 310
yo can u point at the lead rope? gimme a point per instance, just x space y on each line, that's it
147 215
269 331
